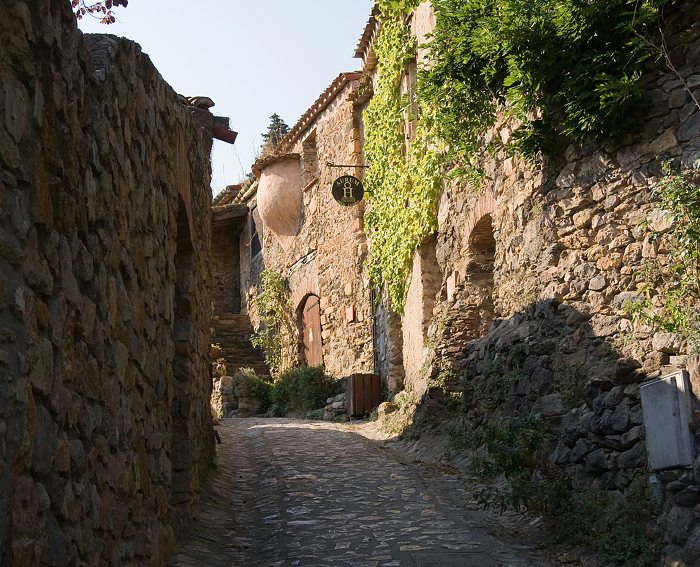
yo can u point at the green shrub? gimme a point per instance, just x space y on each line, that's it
612 524
303 389
247 383
515 448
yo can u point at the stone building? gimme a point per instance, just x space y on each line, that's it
297 229
520 294
105 428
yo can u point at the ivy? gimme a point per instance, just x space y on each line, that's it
398 6
404 180
277 328
671 290
561 68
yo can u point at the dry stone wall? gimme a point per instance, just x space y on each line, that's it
105 430
537 268
226 284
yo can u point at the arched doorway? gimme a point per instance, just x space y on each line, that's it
482 252
310 327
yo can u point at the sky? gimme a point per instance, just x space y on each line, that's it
253 58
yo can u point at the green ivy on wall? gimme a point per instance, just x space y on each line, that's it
671 289
560 69
277 329
404 180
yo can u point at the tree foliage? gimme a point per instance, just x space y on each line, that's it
276 130
101 9
562 67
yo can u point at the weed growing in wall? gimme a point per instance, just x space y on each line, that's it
404 179
515 451
403 407
489 389
614 525
671 289
571 385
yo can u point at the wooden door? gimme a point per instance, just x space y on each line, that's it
311 324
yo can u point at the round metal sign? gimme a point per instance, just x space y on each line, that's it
348 190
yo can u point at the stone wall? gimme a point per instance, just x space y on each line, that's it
537 268
325 257
105 429
226 276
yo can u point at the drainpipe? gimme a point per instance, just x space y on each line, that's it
221 130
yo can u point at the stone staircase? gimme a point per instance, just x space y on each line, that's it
233 333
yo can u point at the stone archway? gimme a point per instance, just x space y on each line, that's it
479 275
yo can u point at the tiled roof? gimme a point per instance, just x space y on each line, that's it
315 109
227 195
246 193
364 46
233 213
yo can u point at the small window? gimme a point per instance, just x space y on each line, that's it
309 162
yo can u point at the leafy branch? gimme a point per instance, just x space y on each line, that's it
101 10
559 68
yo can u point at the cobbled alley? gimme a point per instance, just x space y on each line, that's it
290 493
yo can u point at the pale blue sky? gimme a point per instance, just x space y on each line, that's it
252 57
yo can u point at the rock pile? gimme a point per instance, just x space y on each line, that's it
336 408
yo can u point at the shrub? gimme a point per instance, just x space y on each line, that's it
612 524
563 68
515 450
246 383
303 389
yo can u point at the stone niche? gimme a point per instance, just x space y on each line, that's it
280 196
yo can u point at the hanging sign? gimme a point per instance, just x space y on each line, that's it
348 190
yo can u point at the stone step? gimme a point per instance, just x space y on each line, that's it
234 333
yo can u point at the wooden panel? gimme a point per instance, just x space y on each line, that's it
364 393
311 323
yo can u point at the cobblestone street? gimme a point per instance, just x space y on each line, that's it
290 492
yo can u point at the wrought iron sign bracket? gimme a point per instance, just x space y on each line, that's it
329 164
